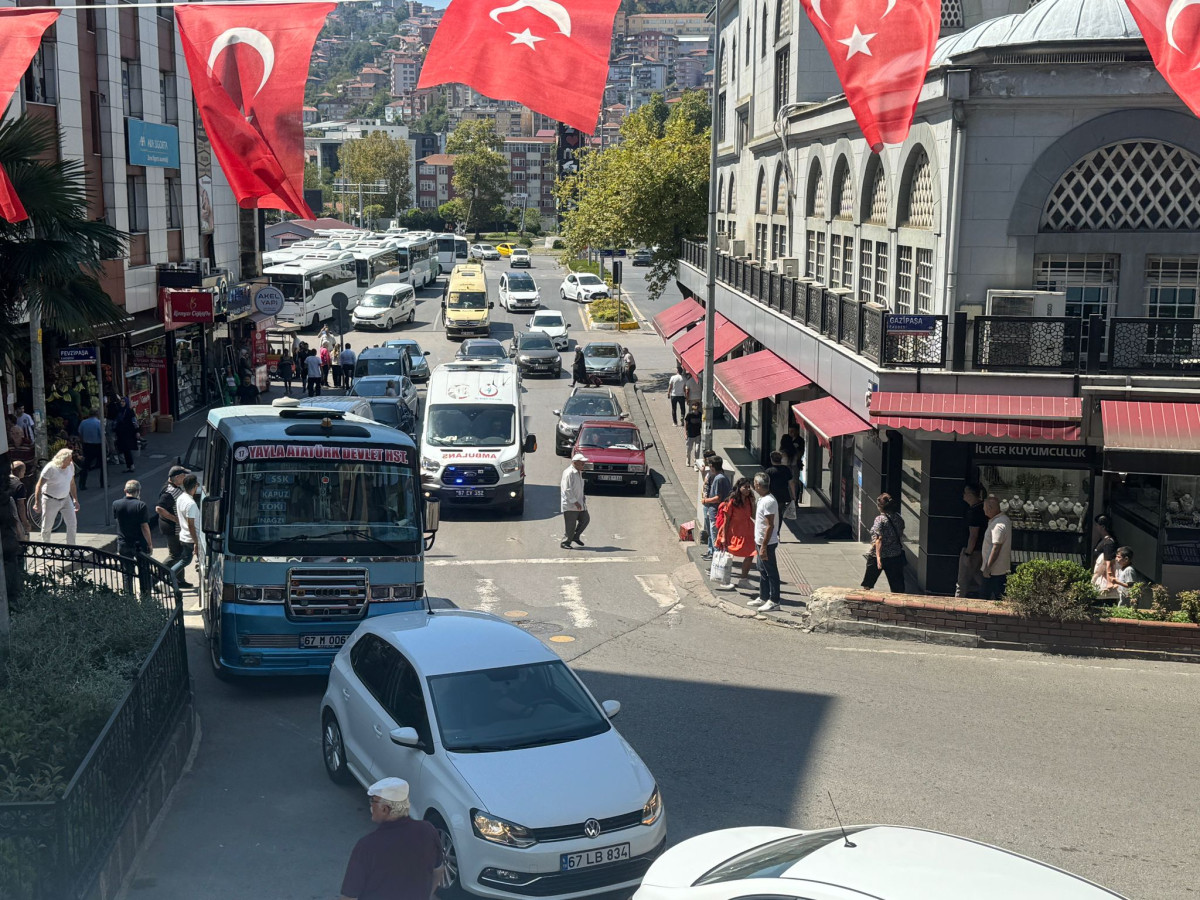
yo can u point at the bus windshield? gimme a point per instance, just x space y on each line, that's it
302 506
467 300
292 287
402 259
468 425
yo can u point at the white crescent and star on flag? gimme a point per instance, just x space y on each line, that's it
1174 11
254 39
858 42
551 9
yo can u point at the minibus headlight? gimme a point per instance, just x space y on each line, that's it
429 464
508 466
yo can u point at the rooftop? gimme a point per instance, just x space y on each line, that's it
438 159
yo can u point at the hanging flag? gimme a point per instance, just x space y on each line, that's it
1171 29
248 64
536 52
881 51
20 35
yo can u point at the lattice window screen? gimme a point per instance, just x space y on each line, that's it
952 14
1128 186
721 195
918 211
843 191
816 194
781 193
761 205
879 200
732 194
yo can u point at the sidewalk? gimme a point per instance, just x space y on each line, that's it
805 561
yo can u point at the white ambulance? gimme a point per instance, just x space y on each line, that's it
474 441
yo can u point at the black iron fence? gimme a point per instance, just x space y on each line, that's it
61 844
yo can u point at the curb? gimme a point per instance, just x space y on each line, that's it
675 503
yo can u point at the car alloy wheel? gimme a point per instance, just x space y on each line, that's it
450 883
387 326
333 749
412 315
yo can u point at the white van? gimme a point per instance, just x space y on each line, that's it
474 441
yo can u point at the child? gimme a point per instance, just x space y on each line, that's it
1124 575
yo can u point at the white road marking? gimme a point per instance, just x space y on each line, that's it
1152 665
547 561
486 589
572 601
658 587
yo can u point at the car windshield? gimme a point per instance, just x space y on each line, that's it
610 439
377 387
481 351
537 341
376 300
467 300
547 321
590 405
590 280
772 860
469 425
601 351
493 710
299 504
520 283
486 247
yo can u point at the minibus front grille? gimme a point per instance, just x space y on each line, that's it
465 476
336 592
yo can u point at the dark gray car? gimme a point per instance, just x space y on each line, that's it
586 404
534 354
605 360
418 364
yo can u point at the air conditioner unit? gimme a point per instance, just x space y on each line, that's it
1027 303
737 247
205 267
790 266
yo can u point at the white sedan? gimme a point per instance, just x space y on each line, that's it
507 754
885 862
583 287
484 251
551 323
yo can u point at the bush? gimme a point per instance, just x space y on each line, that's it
606 311
558 244
1189 605
1142 615
75 649
1059 590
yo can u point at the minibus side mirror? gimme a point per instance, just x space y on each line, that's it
530 445
212 514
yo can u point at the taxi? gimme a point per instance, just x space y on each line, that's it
505 249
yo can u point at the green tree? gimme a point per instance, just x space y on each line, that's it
378 157
49 265
434 120
649 190
480 171
452 212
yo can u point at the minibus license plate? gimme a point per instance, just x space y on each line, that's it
598 857
469 492
322 641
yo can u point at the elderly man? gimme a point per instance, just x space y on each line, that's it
573 502
399 860
997 550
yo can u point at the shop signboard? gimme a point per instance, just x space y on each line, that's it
1035 454
268 300
240 302
77 356
920 326
183 308
259 348
140 401
152 144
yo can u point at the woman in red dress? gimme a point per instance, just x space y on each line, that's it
736 533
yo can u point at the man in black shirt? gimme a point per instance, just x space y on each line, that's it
168 521
780 476
970 558
692 423
133 533
247 393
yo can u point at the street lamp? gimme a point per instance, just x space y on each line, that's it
707 393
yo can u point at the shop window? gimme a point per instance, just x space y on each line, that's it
911 473
904 275
1048 509
139 218
924 280
131 87
169 97
174 203
41 79
1089 280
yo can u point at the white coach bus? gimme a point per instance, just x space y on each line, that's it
312 283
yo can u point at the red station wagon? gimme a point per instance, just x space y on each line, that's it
615 452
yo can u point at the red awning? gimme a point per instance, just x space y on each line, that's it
1151 436
689 347
1036 419
753 377
678 317
828 418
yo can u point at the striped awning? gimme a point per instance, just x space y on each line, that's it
1000 416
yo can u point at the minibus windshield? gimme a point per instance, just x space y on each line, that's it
469 425
467 300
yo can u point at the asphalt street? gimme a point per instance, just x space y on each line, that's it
1086 764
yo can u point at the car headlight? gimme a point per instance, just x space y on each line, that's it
508 466
499 831
653 808
567 429
523 358
429 464
637 469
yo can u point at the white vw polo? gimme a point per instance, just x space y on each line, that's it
507 754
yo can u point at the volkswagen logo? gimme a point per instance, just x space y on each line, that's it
591 828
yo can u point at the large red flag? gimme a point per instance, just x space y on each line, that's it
881 51
20 34
1171 29
248 63
537 52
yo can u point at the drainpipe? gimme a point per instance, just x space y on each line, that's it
958 89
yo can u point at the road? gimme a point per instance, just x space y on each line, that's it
1083 763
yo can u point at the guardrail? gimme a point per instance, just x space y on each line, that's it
63 843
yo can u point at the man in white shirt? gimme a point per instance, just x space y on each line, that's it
997 550
188 512
573 503
766 537
55 494
346 360
313 374
677 390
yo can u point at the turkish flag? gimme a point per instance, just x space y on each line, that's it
20 34
1171 29
881 51
248 64
537 52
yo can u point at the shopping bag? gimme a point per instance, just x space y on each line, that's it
687 530
719 569
790 513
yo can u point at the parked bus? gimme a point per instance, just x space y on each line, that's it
313 521
451 250
312 283
406 259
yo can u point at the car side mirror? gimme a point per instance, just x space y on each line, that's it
426 353
512 350
649 445
530 445
408 737
558 412
623 416
610 707
568 326
491 305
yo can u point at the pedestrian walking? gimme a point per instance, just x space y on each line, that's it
133 534
573 503
735 533
886 553
286 370
326 357
970 558
791 445
692 423
1104 570
766 537
126 431
630 365
402 858
312 369
91 433
782 485
168 517
677 391
55 494
997 550
247 393
716 490
347 360
188 512
24 422
18 493
578 368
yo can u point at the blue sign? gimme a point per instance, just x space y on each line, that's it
240 301
77 356
151 144
905 324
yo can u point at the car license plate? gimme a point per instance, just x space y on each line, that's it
598 857
469 492
322 641
609 477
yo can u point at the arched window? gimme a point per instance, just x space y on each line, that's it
952 14
732 194
763 30
721 194
760 205
733 55
723 64
916 194
814 226
749 42
781 192
815 195
843 191
1127 186
876 210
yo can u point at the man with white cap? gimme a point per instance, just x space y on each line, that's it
573 502
399 860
